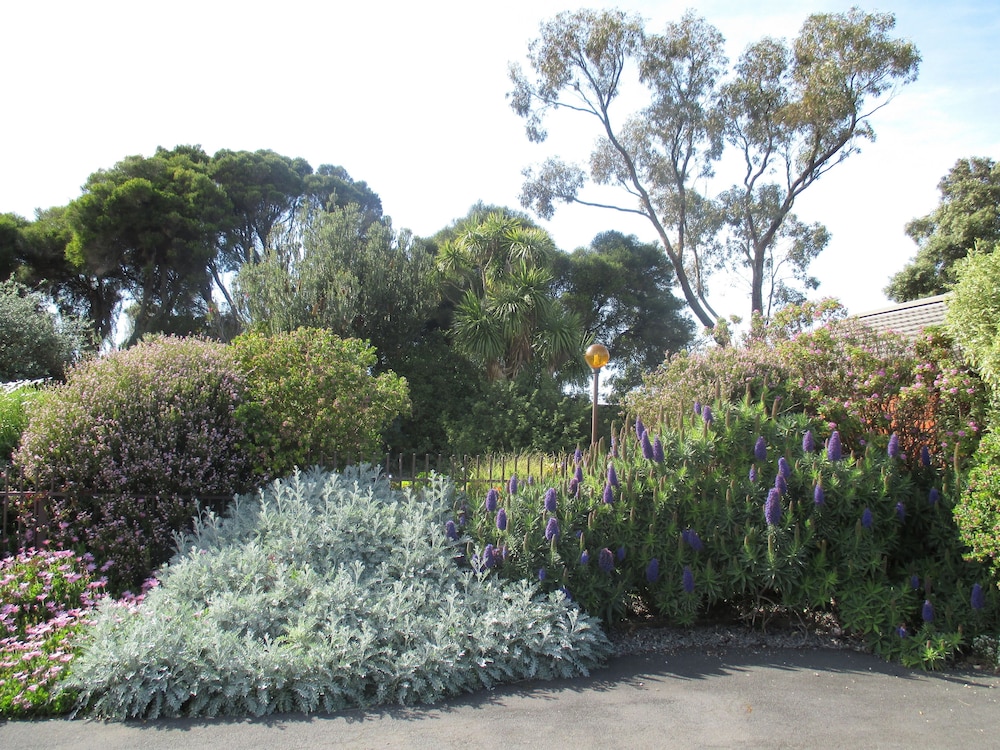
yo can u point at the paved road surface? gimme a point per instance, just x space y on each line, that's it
736 699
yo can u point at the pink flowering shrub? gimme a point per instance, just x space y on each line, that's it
130 440
45 598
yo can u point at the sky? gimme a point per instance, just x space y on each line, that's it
412 99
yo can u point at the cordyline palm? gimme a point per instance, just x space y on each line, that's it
508 315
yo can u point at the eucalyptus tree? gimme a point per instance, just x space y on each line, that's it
790 112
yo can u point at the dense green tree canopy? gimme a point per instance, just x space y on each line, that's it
790 113
968 213
620 289
973 315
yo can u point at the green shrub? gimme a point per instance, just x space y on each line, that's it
34 342
693 497
133 438
14 404
311 396
324 592
978 511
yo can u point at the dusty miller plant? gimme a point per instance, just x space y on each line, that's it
324 591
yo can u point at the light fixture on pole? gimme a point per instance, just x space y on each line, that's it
597 356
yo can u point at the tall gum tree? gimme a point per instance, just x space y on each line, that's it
791 114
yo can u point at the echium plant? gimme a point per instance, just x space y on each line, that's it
322 592
804 528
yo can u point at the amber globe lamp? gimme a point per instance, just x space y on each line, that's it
597 356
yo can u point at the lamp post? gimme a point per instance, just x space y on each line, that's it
597 356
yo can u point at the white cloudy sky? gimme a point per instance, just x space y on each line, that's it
410 97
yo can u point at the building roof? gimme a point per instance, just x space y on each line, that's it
907 318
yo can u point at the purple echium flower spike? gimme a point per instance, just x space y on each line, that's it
614 447
612 475
489 556
658 451
753 472
914 582
609 495
783 468
925 456
578 474
834 451
450 531
772 508
512 485
552 529
584 557
693 540
927 612
687 580
620 554
706 414
901 631
653 571
893 449
577 456
501 520
900 511
760 450
697 408
574 487
933 496
606 560
639 428
819 497
978 600
550 500
542 575
808 442
780 484
866 518
647 447
491 500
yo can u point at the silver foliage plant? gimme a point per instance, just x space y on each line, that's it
324 591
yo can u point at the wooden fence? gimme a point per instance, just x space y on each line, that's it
24 516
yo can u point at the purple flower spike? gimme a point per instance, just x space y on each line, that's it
614 447
609 495
658 451
697 408
834 451
492 497
819 497
639 428
574 486
706 414
489 556
772 508
606 560
900 511
933 496
978 599
653 571
927 613
647 447
780 484
687 580
784 468
620 554
501 520
753 472
693 540
577 456
914 582
760 450
512 485
612 475
925 456
450 531
866 518
551 530
901 631
550 500
578 474
584 557
808 442
893 449
542 575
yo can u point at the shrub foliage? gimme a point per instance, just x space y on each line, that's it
323 592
